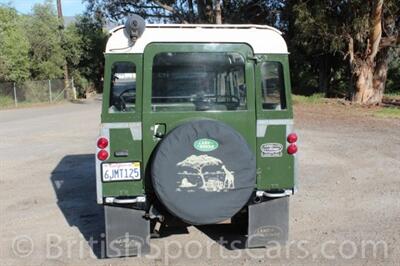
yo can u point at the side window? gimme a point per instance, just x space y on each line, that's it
273 86
123 87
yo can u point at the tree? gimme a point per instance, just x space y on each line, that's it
93 41
38 50
73 46
73 50
14 47
198 163
182 11
319 34
369 57
315 45
393 82
359 31
190 11
47 55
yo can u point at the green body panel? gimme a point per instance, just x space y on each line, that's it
274 172
243 121
121 139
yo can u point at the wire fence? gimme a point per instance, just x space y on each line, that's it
30 92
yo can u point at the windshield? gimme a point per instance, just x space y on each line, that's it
198 82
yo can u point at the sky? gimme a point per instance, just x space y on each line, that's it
69 7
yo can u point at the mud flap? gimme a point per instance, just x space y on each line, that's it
268 222
127 232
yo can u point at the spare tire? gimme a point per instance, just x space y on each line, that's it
204 172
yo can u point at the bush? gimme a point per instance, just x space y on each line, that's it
6 101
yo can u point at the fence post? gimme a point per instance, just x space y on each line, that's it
15 96
50 98
73 88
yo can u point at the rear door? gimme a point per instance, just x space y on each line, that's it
121 120
276 167
183 82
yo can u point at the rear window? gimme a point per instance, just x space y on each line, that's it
198 82
123 87
272 86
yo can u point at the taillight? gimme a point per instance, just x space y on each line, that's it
102 143
102 155
292 148
292 138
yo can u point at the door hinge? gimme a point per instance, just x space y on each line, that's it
256 59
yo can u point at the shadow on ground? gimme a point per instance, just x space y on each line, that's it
74 182
230 236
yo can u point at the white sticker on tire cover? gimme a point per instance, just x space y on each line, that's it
271 150
220 180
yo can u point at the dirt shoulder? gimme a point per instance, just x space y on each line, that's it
344 114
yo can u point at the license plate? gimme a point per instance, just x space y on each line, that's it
121 171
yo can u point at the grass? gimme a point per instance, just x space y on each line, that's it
392 95
387 112
320 97
381 112
315 98
6 102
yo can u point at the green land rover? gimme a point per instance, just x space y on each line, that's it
196 129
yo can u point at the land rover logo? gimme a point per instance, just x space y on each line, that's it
205 145
269 231
127 242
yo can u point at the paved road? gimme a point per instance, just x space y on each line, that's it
347 210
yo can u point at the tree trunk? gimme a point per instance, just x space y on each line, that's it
209 11
365 67
364 89
67 86
371 81
205 11
218 14
380 75
203 180
191 13
201 9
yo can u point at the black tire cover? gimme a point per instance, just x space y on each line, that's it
178 171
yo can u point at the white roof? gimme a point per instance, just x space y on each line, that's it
262 39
